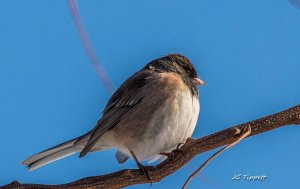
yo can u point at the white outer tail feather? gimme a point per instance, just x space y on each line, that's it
52 154
52 157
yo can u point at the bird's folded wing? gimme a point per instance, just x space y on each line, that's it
129 94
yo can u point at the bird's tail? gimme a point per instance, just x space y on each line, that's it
55 153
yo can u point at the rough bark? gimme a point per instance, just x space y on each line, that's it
188 151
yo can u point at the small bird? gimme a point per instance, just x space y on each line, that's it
150 114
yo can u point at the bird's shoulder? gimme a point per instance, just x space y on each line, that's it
144 83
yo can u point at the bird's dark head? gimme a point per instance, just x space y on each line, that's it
176 63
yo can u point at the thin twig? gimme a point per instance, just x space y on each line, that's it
88 47
247 133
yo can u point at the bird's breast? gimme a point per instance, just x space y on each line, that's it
176 120
171 123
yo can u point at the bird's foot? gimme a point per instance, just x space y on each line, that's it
174 152
145 171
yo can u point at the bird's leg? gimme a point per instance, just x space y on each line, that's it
143 169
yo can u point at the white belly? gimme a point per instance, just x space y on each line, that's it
172 123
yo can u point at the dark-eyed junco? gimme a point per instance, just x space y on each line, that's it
150 114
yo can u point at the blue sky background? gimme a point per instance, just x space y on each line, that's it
247 51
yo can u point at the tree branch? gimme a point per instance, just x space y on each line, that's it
188 151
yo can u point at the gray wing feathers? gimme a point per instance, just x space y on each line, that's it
124 99
107 123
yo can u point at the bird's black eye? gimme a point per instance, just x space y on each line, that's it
188 72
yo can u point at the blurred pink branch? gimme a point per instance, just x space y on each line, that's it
87 46
295 3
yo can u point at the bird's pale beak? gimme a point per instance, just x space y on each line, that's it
198 81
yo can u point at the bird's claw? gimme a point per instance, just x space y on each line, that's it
174 152
145 171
